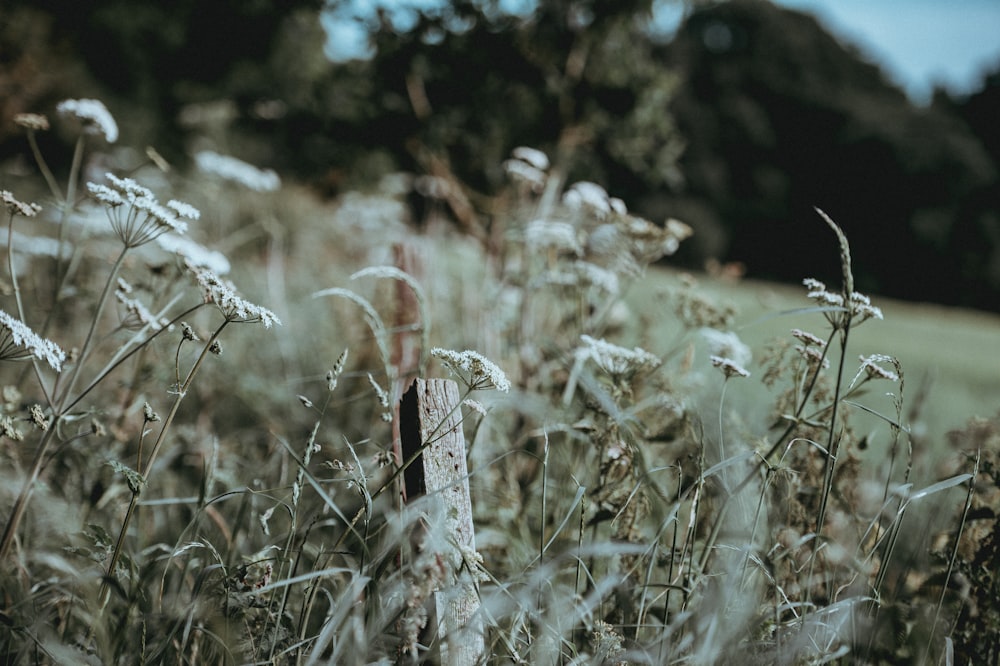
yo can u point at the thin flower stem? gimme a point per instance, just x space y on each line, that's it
118 360
43 166
15 286
64 398
167 421
67 206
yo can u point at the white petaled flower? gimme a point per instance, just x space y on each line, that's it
727 345
237 171
233 307
532 156
618 362
94 116
482 372
729 367
18 342
15 207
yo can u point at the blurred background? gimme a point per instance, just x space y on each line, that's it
736 117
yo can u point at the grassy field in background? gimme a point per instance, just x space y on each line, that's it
950 356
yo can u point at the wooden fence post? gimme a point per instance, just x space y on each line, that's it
431 424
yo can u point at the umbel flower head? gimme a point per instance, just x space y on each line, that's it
134 213
476 370
234 307
18 342
15 207
93 115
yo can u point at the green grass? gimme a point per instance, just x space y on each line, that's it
949 354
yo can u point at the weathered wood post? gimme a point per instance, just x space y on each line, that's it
431 424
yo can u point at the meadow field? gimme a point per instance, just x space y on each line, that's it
664 468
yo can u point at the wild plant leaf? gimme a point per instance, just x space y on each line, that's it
136 482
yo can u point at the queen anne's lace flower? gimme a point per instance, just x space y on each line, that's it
134 213
94 116
17 341
234 307
15 207
729 367
482 372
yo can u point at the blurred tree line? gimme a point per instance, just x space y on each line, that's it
747 118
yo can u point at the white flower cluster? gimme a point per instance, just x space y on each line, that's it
15 334
15 207
135 214
94 116
859 306
729 367
483 373
616 361
237 171
234 307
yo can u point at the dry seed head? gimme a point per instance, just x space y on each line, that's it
188 333
845 253
148 415
37 417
